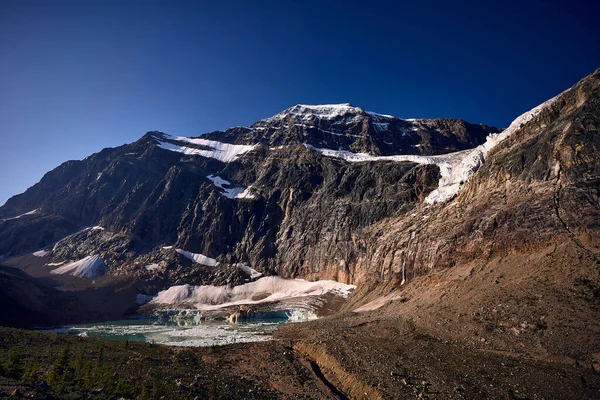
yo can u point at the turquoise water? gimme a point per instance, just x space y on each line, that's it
186 330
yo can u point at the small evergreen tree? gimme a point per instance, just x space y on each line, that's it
31 372
13 367
145 393
78 364
87 375
51 376
63 360
100 354
58 368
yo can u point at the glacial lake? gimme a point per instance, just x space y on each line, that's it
187 331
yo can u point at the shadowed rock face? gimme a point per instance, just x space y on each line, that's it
29 302
307 215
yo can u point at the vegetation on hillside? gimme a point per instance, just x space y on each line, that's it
51 365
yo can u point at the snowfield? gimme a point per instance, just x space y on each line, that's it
223 152
88 267
264 290
58 264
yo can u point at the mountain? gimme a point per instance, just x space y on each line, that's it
320 192
475 252
265 196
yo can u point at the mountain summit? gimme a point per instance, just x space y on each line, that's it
343 126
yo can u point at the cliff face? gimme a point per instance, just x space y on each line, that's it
538 187
322 192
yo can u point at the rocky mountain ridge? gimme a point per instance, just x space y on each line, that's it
316 192
343 126
258 196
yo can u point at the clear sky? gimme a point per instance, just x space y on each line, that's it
78 76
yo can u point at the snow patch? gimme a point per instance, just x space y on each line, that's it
380 122
231 192
57 264
152 267
42 253
198 258
224 152
248 270
264 290
378 116
88 267
22 215
365 157
90 228
381 126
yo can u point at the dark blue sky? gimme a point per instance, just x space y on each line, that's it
77 76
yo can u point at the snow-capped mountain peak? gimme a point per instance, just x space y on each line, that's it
305 112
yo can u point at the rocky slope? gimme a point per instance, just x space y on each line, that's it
537 187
